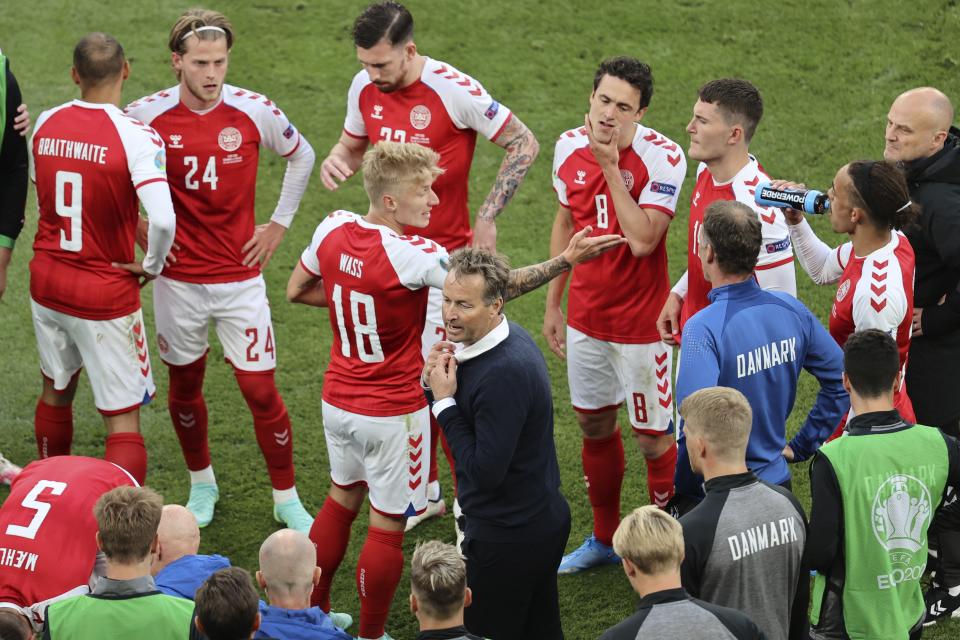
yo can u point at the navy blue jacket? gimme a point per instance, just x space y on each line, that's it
501 435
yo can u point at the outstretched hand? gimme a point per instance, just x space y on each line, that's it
583 247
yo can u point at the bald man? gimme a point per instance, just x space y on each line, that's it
178 568
288 572
921 137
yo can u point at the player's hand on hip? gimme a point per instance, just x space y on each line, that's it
485 234
136 268
788 454
443 377
606 153
21 123
668 323
437 351
916 325
260 248
583 247
334 170
555 331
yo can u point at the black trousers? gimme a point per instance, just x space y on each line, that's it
514 587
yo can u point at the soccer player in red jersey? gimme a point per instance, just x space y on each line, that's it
403 96
376 283
725 118
91 165
622 177
48 547
214 133
870 202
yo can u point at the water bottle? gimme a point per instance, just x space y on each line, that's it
810 201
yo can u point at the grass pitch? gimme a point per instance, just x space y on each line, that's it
827 71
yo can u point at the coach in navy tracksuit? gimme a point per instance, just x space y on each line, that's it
757 342
494 403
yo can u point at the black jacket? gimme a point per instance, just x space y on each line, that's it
934 362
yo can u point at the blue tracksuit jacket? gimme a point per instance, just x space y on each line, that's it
757 342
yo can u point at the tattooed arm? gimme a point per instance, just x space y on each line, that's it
522 149
306 288
580 249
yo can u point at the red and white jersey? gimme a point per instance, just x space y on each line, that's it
377 284
212 168
443 110
616 296
875 292
47 529
89 161
776 249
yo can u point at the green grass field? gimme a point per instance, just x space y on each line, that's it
828 71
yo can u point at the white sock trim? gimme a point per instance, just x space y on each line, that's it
203 476
283 495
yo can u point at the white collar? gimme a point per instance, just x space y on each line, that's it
496 335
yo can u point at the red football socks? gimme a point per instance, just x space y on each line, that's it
378 574
189 412
272 425
330 534
127 450
53 428
603 467
660 472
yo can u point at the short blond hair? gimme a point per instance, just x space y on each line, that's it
127 521
193 19
438 579
391 165
721 416
651 540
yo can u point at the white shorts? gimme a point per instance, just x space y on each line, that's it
389 454
782 277
240 313
114 353
603 374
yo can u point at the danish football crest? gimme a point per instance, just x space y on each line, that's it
420 117
627 178
230 139
843 289
901 513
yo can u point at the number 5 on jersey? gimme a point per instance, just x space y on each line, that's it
363 321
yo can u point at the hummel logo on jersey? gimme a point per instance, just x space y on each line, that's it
377 112
696 198
175 139
580 177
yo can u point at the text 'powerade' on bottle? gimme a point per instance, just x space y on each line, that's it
809 201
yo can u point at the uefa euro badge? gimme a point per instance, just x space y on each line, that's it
901 513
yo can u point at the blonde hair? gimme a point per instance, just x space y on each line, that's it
438 579
127 520
194 19
389 165
651 540
721 416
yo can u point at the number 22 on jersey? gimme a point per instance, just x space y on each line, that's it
363 321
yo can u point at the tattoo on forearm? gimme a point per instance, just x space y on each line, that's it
521 152
527 279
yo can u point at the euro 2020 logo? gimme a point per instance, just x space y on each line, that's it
901 513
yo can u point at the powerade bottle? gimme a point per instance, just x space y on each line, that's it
810 201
